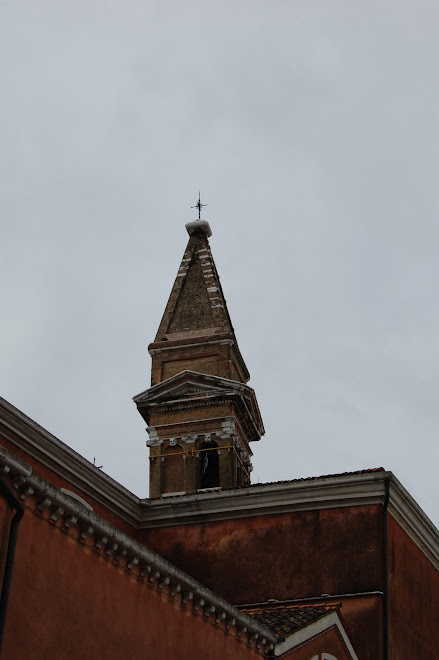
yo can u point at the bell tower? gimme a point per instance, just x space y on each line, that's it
200 412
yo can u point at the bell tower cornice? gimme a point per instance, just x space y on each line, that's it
193 390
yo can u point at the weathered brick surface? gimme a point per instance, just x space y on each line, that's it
191 474
195 316
176 415
227 473
206 364
196 334
196 301
216 356
155 475
171 475
193 310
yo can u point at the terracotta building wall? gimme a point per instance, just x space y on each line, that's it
363 621
289 556
413 599
68 602
6 514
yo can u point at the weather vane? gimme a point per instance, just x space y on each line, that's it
198 206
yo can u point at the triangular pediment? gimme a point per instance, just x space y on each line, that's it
189 385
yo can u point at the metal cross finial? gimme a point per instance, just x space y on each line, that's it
198 206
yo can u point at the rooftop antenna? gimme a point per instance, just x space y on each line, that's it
198 206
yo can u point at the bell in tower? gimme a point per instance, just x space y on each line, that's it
200 412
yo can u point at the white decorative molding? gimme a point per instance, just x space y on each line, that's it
192 438
76 497
159 349
44 504
222 435
229 424
56 513
409 515
28 492
173 394
300 495
154 443
313 629
69 522
199 225
189 439
154 440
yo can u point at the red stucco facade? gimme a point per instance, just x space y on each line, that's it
70 601
413 599
289 556
252 559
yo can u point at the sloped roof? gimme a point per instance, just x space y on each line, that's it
320 476
288 481
284 621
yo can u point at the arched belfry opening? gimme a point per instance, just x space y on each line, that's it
208 469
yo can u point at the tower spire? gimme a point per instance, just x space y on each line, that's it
196 313
201 415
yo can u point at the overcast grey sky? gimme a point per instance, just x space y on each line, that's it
311 128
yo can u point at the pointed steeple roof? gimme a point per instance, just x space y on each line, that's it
196 306
196 312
